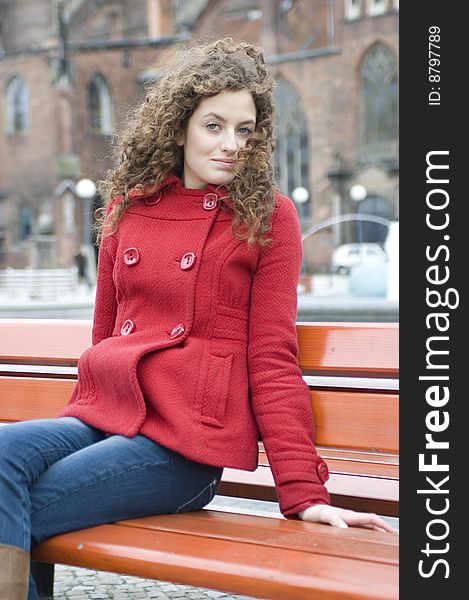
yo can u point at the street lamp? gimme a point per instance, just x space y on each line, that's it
357 193
86 189
300 196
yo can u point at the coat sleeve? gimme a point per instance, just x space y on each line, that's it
280 398
105 309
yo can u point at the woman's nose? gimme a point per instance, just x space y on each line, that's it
229 142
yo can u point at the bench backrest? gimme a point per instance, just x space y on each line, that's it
352 371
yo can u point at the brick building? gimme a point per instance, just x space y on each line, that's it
70 70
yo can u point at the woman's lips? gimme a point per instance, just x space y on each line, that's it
225 164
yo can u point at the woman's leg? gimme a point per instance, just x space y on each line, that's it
118 478
28 449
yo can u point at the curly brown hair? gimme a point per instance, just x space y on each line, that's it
147 149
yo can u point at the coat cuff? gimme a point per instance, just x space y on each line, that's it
293 516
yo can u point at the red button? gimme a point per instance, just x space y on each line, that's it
323 471
127 327
210 201
154 199
131 256
187 261
177 331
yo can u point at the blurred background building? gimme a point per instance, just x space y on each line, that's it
70 70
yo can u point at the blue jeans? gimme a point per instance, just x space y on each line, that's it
59 475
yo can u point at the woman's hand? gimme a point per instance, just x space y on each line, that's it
340 517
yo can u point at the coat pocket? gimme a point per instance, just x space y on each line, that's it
214 388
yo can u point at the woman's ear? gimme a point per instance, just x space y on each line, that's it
180 139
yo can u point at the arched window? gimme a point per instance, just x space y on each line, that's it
100 108
17 106
379 100
291 157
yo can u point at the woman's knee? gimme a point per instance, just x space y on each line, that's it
13 439
33 446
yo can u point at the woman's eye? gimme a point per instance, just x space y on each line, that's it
212 126
245 131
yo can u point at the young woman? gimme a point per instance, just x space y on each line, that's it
194 355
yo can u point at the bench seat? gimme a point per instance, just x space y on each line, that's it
268 557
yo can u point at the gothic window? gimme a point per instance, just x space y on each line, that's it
100 108
17 106
379 97
291 157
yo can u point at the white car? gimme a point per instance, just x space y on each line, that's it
349 255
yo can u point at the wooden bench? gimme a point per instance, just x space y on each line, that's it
352 370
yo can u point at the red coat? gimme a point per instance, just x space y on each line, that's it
194 341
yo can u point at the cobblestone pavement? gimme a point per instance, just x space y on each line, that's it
72 583
82 584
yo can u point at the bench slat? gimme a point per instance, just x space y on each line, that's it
51 341
342 497
352 463
356 419
245 566
348 419
23 398
351 466
366 349
209 523
373 494
361 455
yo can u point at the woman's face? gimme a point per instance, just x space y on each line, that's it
218 128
